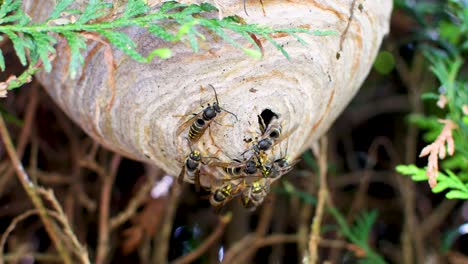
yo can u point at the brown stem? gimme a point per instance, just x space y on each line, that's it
30 189
24 135
414 81
104 211
161 243
137 200
78 249
10 228
192 256
322 197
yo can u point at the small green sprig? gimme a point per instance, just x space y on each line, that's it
358 233
444 45
456 189
38 39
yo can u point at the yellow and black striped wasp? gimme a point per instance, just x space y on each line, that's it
271 136
237 168
201 121
280 167
191 168
254 194
221 195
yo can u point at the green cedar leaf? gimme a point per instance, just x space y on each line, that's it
170 5
456 194
324 32
44 44
124 43
163 53
2 61
190 10
419 177
19 46
7 7
161 32
77 44
17 16
407 169
193 40
254 53
59 8
441 186
299 39
186 28
207 7
135 8
278 46
24 19
95 9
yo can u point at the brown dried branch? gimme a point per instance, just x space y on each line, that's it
11 227
137 200
43 258
31 190
104 209
314 238
77 248
387 145
25 132
144 224
437 217
415 79
161 245
235 249
208 242
437 150
260 231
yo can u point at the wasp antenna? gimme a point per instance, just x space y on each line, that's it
237 119
245 8
216 94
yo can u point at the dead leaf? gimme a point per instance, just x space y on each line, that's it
437 150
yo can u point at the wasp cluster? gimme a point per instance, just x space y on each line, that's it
248 176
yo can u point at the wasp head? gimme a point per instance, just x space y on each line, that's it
265 144
195 155
250 167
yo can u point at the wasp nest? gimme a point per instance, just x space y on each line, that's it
159 112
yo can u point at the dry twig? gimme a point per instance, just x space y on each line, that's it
208 242
31 190
314 238
104 209
161 245
137 200
437 150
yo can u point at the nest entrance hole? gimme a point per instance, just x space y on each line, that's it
265 117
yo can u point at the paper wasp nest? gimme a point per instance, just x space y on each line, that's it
151 101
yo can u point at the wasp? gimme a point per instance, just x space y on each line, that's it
238 168
191 168
272 135
255 193
201 121
280 167
222 195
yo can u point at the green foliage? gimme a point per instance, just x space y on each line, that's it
384 63
456 189
445 38
38 39
359 232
